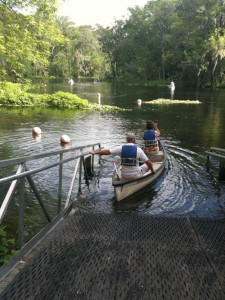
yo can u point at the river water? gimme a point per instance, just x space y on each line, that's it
187 132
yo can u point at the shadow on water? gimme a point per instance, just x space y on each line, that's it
141 201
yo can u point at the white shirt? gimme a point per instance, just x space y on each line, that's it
130 170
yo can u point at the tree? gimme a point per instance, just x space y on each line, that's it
87 58
26 40
202 39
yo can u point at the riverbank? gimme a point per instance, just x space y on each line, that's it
16 95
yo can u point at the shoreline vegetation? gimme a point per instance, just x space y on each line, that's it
53 45
15 95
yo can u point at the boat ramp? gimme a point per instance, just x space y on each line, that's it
123 256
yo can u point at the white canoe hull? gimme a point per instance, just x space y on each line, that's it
125 189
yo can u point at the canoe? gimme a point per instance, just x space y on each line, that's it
124 189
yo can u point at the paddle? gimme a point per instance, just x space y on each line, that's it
114 162
117 174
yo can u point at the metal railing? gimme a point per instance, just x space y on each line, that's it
23 172
218 153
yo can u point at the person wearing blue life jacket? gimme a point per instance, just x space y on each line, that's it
150 137
130 155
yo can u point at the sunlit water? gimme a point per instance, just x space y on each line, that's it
185 188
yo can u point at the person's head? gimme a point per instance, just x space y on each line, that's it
150 125
131 137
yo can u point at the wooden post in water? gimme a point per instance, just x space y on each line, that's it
99 100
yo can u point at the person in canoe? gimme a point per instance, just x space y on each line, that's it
150 137
130 155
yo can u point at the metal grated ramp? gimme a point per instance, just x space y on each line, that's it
129 256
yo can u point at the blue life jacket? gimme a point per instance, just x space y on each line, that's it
149 138
129 155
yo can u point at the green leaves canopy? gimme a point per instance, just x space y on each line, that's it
26 40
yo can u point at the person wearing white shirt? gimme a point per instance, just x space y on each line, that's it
130 155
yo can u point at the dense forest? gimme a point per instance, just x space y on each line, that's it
181 40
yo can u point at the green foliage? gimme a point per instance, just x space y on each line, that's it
80 55
7 247
164 40
66 100
14 94
169 101
174 39
107 108
26 40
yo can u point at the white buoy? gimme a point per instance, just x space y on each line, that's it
65 139
36 130
139 101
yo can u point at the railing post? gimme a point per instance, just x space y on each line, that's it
9 194
60 184
80 175
92 159
85 172
222 169
207 162
72 183
38 196
19 180
21 212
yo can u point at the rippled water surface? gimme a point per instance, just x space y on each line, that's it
187 131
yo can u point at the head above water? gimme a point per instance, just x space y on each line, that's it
150 125
131 137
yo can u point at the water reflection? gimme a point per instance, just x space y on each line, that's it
171 87
37 137
171 94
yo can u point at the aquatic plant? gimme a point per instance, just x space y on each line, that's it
106 108
169 101
15 95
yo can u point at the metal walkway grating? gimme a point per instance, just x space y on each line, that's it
127 256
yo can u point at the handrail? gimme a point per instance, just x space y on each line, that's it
23 173
218 153
215 154
11 189
10 178
216 149
7 162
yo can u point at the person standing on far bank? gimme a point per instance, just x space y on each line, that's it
130 155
